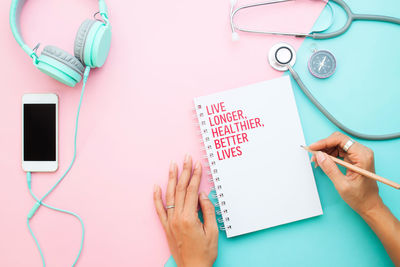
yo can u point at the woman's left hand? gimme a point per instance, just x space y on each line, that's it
192 243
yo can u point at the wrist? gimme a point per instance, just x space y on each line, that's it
373 212
197 264
201 264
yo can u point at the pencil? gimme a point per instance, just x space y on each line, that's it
359 170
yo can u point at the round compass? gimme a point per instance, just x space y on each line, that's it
322 64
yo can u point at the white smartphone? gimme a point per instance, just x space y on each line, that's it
40 132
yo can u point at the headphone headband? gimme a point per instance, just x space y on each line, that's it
15 13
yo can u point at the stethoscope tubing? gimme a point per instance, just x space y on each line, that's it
350 18
332 119
235 27
320 35
315 35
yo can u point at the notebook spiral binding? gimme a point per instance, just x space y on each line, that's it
217 191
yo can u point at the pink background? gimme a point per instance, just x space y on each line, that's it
136 117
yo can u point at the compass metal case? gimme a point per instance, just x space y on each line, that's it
322 64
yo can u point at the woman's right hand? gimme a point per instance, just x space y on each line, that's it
359 192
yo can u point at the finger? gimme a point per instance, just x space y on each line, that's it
314 159
172 179
341 153
183 183
192 192
208 210
159 205
349 173
336 139
330 168
334 151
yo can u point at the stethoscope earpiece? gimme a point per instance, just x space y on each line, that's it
281 55
235 36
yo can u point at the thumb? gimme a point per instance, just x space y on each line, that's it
207 208
329 167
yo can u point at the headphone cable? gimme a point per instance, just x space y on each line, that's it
39 202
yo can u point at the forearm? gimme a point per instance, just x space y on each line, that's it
387 228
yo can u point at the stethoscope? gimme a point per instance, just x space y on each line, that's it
322 64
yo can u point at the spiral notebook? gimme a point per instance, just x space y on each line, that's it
252 137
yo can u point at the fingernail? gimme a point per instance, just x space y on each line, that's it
320 157
187 157
155 189
198 165
203 195
172 165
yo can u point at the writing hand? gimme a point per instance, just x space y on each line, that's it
360 193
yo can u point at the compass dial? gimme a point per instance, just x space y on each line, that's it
322 64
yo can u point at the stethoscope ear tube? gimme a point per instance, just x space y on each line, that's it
350 18
330 117
315 34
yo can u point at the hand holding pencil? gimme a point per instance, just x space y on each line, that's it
359 170
360 193
358 187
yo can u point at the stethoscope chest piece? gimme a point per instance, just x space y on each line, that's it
322 64
281 55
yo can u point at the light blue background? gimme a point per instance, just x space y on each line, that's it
364 94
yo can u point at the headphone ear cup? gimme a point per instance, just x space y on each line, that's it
92 43
60 65
80 39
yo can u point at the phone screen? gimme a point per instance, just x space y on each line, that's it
39 132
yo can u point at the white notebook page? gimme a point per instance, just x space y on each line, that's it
253 135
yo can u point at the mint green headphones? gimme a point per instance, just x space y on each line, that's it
91 47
